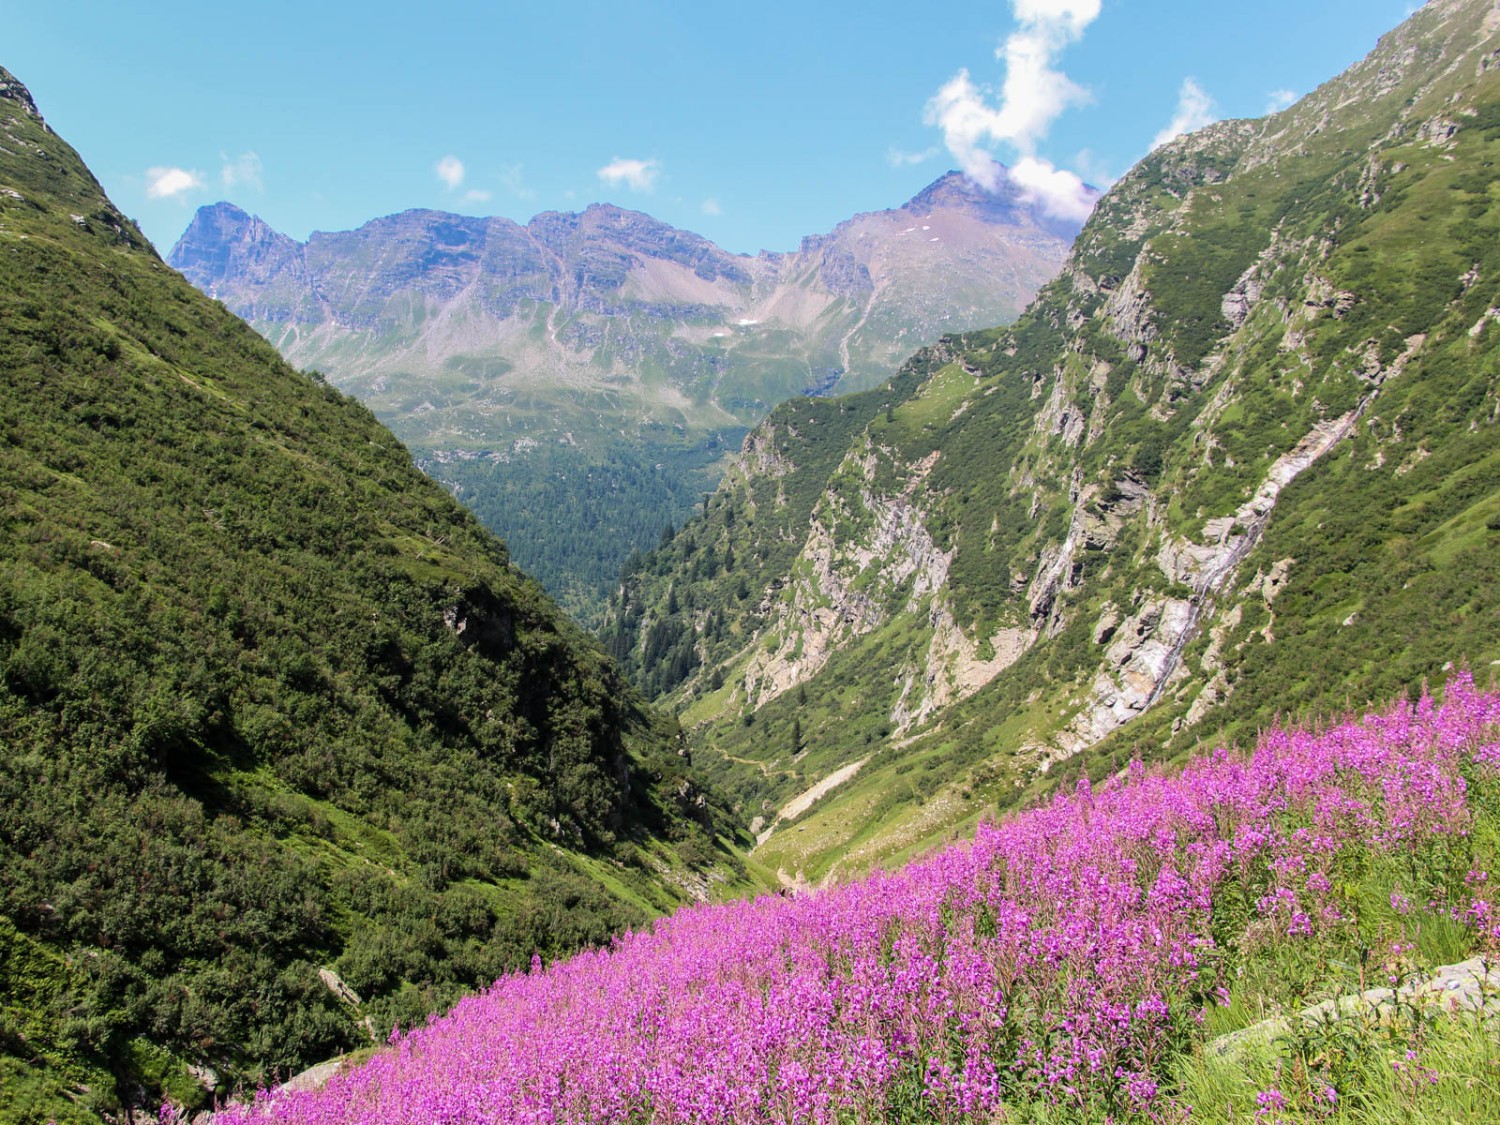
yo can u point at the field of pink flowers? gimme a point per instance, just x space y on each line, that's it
1062 959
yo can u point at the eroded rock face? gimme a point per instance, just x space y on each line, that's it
954 668
759 456
1129 313
1145 654
860 555
339 987
1140 659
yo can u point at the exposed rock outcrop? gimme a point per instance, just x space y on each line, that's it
1468 988
866 557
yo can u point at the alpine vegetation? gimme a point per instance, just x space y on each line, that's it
1070 964
275 711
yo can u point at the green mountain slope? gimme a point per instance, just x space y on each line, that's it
1240 458
271 702
577 380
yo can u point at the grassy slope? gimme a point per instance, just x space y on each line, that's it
270 699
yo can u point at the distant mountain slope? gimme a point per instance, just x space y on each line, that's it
576 379
1241 457
272 703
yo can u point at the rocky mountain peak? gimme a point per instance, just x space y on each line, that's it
14 90
955 191
222 238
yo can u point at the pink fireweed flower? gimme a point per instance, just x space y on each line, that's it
1059 957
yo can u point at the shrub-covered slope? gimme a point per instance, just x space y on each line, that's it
1070 965
270 701
1241 457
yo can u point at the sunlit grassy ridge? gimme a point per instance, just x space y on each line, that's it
1069 964
1006 563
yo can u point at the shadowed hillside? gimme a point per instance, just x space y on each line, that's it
273 706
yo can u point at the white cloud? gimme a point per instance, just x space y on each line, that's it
638 175
1035 93
1030 99
164 183
1195 109
899 159
450 169
959 109
477 195
1072 15
1059 192
711 207
1278 100
243 171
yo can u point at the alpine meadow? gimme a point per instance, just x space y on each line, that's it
1025 655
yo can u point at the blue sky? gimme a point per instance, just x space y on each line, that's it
752 124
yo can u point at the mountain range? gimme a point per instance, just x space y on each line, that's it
1241 457
577 380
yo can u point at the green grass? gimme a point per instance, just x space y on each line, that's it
1432 1074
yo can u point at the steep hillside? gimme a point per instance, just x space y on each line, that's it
291 751
1240 458
577 379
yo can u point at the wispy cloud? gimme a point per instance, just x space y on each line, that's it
477 195
899 159
243 171
1032 96
711 207
1195 109
637 175
510 177
1278 100
1093 168
450 169
166 183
